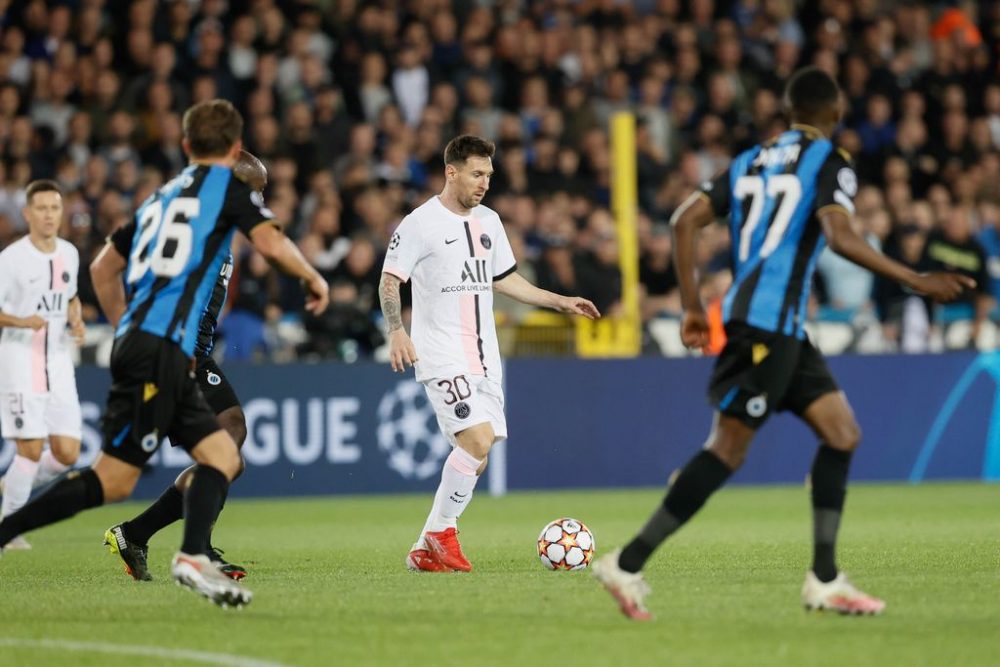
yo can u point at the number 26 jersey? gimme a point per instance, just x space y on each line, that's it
181 239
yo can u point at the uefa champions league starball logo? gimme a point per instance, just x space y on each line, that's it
408 434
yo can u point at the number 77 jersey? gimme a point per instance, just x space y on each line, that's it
773 194
178 242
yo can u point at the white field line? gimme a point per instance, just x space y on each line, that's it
225 659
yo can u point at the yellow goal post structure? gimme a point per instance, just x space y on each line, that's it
620 335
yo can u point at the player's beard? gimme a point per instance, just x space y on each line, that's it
471 202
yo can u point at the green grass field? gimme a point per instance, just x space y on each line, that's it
330 586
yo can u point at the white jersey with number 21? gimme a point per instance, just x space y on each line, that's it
36 283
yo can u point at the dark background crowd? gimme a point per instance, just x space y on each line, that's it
350 105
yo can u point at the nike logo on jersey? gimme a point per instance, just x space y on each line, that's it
449 241
35 280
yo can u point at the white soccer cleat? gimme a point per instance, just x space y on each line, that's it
629 589
18 544
839 595
203 576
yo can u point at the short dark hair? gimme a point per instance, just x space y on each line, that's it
463 147
212 127
811 91
41 185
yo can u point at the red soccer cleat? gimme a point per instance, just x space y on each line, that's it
445 548
422 560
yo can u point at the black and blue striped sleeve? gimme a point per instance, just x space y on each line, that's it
836 184
245 208
121 238
718 194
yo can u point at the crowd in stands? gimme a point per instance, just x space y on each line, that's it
350 105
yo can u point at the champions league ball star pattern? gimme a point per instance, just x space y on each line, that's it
566 544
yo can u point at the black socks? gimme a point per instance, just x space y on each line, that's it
700 478
829 488
202 504
168 508
78 491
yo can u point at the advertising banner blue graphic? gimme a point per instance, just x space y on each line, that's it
626 423
359 428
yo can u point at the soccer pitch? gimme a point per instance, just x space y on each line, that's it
331 589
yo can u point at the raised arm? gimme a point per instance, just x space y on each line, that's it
518 288
401 350
106 275
281 253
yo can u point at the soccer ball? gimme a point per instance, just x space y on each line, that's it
566 544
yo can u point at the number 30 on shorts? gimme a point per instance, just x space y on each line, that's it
458 389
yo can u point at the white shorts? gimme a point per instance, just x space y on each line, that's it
464 401
30 415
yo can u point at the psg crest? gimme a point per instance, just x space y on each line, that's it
462 410
485 240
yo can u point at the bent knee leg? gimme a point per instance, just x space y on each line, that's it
117 478
30 449
730 441
235 423
229 463
845 436
65 450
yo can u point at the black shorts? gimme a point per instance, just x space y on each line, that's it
153 394
215 385
761 371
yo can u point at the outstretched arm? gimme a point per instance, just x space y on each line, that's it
401 350
843 240
688 219
106 275
517 287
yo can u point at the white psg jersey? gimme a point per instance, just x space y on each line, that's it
36 283
452 261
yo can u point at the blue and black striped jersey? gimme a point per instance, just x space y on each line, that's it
122 240
773 194
177 248
210 318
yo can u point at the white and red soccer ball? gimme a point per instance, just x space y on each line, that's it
566 544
